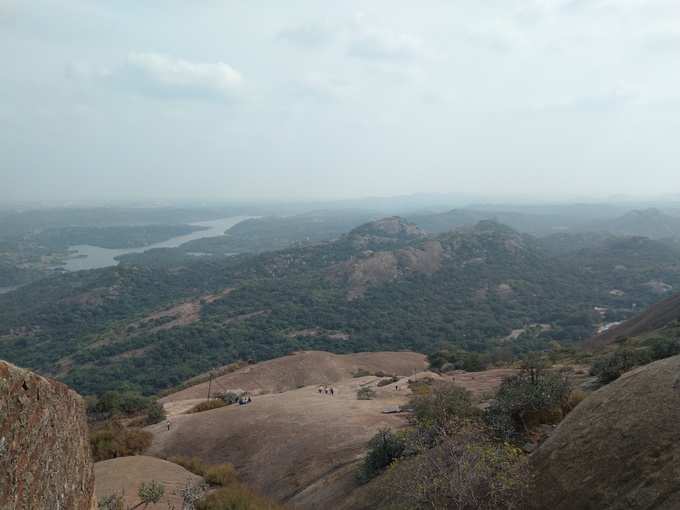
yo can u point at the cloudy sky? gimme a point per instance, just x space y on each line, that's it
115 99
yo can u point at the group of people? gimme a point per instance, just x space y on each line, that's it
326 390
244 400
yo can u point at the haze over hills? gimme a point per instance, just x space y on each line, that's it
385 285
347 255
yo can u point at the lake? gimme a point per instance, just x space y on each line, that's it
94 257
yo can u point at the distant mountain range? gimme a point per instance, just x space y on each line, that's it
651 223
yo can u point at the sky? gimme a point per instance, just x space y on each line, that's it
118 99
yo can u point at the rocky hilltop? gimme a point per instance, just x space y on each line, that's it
620 448
44 449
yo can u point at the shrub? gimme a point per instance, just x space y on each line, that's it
526 400
155 413
235 497
114 403
445 401
365 393
150 493
664 347
230 397
221 474
213 403
112 502
361 372
421 386
114 440
612 366
467 470
446 360
380 373
214 474
574 399
192 464
383 449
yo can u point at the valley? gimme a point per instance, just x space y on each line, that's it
384 285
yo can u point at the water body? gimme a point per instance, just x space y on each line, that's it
94 257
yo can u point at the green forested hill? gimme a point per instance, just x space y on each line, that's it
386 285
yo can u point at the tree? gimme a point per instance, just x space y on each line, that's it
155 413
383 449
527 399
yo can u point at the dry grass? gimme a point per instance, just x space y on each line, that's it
236 497
214 474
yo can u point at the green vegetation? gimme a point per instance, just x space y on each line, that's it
150 493
443 403
634 353
231 495
533 397
456 359
235 497
113 439
491 281
447 459
222 475
214 474
383 449
111 502
115 404
155 413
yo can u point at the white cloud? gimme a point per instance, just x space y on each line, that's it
310 36
381 43
176 76
322 87
87 71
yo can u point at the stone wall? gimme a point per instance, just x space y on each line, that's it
44 448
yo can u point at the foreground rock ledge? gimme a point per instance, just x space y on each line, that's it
44 449
619 449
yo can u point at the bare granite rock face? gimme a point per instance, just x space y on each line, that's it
619 449
44 448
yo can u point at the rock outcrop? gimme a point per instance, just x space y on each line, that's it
44 448
124 475
619 449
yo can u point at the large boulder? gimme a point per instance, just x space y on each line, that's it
124 475
44 448
619 449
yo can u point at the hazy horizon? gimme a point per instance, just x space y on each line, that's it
546 100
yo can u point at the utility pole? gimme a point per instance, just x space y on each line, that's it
210 384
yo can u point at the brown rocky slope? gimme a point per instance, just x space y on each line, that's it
44 448
619 449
